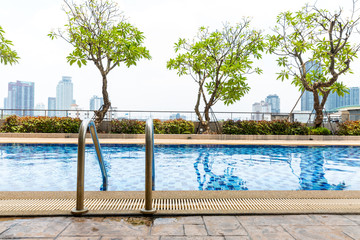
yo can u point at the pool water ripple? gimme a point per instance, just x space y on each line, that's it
52 167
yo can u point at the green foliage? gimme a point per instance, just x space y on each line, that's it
7 55
17 124
178 126
276 127
349 128
127 126
314 49
98 32
220 60
320 131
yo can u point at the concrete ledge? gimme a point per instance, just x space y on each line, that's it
188 136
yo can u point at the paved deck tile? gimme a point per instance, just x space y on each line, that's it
274 220
78 238
223 225
192 238
330 220
316 232
195 230
179 220
36 228
168 229
237 238
354 218
131 238
268 232
352 231
111 228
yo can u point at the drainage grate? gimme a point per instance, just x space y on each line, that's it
181 206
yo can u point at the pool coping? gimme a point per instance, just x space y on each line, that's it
286 140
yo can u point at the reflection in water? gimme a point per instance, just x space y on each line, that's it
312 174
211 181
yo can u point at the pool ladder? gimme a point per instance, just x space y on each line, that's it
87 123
149 166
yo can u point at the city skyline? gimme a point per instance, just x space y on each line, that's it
149 85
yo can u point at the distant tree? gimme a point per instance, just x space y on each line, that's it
314 49
99 33
219 62
7 55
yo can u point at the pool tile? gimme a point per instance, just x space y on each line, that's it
223 225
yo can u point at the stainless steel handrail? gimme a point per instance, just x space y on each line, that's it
87 123
149 167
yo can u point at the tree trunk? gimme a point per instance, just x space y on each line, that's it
207 118
100 115
202 123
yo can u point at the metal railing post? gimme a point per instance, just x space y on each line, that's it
80 193
149 167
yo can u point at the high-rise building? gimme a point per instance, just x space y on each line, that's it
40 106
20 96
51 106
274 102
307 99
261 111
349 99
64 95
96 102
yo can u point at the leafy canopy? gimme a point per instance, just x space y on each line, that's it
100 34
318 37
220 60
7 55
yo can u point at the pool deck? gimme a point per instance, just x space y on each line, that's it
230 227
187 227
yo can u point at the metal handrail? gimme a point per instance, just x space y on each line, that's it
149 167
87 123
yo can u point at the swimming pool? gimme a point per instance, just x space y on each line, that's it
52 167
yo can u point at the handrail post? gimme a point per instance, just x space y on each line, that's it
80 192
149 167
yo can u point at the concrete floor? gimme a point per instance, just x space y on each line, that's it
229 227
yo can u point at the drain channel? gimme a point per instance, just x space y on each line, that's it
23 207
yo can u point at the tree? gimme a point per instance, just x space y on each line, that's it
99 33
313 47
218 62
7 55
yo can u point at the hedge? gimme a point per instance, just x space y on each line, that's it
17 124
276 127
178 126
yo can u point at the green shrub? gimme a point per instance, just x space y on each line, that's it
349 128
17 124
320 131
128 126
276 127
178 126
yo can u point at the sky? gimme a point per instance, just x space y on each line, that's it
149 85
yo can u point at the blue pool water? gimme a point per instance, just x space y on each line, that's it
182 167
